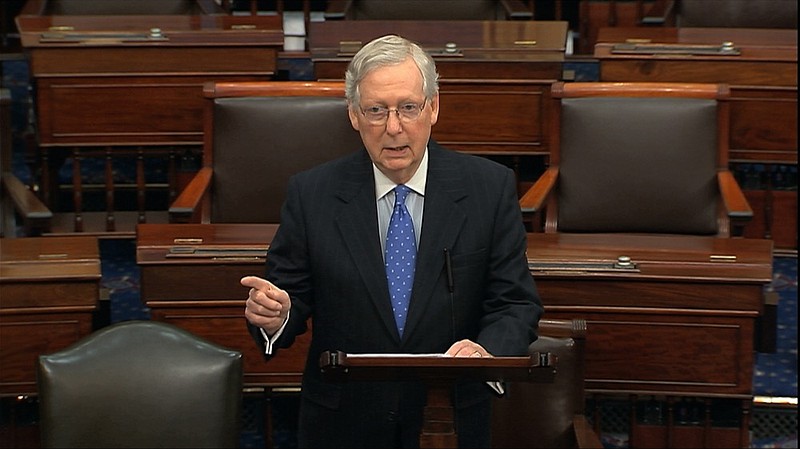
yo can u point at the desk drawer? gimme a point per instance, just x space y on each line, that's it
664 352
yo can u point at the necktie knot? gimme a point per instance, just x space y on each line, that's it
400 194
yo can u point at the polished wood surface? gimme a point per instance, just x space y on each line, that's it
439 374
762 74
50 288
670 317
503 69
111 84
189 276
680 320
707 289
114 80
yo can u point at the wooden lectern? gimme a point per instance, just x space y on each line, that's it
438 373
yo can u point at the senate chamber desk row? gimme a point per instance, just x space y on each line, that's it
679 321
88 71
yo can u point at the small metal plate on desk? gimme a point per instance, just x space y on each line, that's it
584 267
89 38
726 49
216 253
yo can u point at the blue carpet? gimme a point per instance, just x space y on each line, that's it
775 374
120 276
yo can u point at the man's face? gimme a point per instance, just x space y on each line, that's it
397 145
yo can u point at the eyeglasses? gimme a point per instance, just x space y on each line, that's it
406 113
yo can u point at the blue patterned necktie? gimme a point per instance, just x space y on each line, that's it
401 253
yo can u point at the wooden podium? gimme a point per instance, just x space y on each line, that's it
439 373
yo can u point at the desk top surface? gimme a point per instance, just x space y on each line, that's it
44 249
49 23
472 39
35 259
741 36
203 243
750 44
737 259
650 257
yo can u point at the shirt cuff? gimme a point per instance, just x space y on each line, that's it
497 386
270 341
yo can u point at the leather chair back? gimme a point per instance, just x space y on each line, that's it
140 384
426 10
638 158
737 14
129 8
632 164
543 415
256 136
259 142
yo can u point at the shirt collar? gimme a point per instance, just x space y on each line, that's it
384 185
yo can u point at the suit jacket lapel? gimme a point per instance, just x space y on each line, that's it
441 224
358 226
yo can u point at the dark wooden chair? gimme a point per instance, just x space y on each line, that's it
638 158
19 205
428 10
551 415
257 135
140 384
725 14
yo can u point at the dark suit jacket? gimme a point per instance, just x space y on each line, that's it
327 255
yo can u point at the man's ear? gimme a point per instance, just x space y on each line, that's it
353 118
434 109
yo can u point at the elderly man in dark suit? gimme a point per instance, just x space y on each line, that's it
337 252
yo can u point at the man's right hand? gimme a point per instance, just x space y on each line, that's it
267 305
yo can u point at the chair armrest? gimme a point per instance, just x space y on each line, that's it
574 328
516 10
735 202
661 13
186 207
534 199
210 7
36 217
585 435
337 9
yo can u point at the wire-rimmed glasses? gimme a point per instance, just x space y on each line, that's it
406 113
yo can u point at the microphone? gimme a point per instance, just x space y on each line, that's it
448 268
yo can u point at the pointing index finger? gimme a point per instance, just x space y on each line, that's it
256 282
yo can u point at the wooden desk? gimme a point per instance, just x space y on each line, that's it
680 322
110 84
763 79
189 276
50 288
493 84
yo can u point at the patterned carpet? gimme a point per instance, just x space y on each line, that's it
776 373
